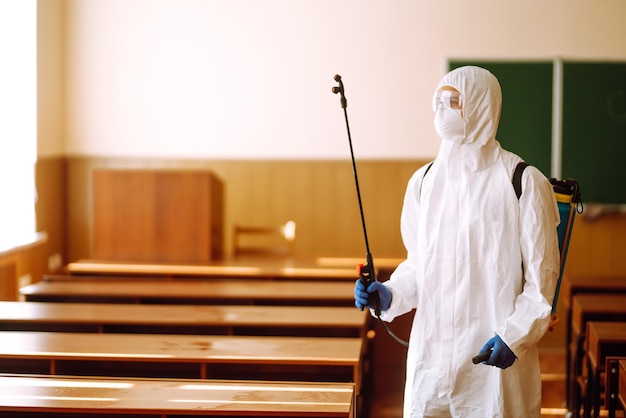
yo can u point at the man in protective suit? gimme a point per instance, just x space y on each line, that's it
481 265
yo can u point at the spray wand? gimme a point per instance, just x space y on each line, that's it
367 272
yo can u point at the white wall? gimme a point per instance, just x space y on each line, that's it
50 78
253 78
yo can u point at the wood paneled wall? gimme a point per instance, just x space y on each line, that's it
51 217
319 195
598 245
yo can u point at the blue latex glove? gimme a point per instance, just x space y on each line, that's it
501 355
362 295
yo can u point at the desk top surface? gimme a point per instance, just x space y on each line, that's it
77 394
213 315
574 284
176 348
197 289
257 269
607 331
599 302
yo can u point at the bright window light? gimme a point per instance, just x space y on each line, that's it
18 119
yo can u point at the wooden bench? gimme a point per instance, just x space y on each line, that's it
612 384
268 269
234 292
312 321
619 382
42 396
586 308
604 340
621 390
184 356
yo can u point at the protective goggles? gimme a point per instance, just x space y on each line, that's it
449 98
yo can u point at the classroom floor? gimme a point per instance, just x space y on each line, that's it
388 403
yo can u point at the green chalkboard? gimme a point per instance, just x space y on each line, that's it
594 129
526 123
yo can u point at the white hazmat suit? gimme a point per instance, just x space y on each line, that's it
479 263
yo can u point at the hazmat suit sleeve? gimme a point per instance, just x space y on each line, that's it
538 220
402 282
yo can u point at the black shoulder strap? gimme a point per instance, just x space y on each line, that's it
427 168
517 178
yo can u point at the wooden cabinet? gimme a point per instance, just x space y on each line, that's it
167 216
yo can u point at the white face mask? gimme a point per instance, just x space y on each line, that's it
449 124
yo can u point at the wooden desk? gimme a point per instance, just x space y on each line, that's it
604 340
262 269
184 356
574 284
586 308
596 307
311 321
12 257
234 292
42 396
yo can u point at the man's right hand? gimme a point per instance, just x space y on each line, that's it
363 296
